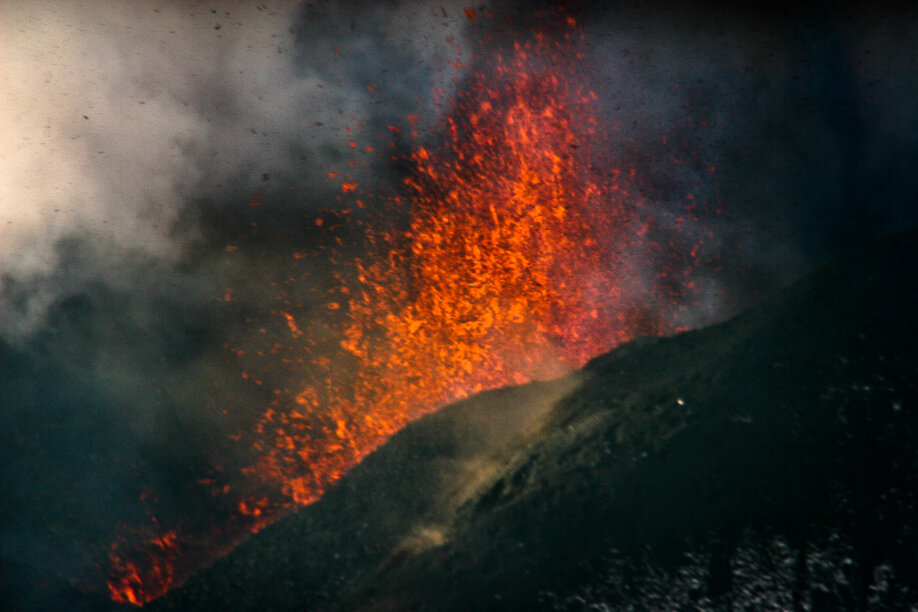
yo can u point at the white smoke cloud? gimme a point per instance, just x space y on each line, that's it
95 124
116 115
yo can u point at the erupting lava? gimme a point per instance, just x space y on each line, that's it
139 582
500 277
502 272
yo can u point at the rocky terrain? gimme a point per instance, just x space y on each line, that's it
765 463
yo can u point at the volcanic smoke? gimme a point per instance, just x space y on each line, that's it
502 261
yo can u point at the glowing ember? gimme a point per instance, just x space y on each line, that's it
501 276
139 582
503 272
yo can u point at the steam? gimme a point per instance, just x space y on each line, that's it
120 115
777 141
135 135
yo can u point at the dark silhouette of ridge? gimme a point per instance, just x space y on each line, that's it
768 462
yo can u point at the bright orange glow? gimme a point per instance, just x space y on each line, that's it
137 583
502 267
503 274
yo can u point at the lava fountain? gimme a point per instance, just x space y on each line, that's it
501 275
503 265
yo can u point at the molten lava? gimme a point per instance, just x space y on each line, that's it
504 271
137 582
503 274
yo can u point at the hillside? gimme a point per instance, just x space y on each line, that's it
765 463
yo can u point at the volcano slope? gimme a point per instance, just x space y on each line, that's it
765 463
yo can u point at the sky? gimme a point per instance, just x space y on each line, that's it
154 155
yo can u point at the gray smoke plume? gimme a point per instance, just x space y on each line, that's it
159 157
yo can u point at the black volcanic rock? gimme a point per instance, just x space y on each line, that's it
765 463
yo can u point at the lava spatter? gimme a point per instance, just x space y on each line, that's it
503 264
502 273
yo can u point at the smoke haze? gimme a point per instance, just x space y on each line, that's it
157 157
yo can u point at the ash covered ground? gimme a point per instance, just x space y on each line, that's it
768 462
